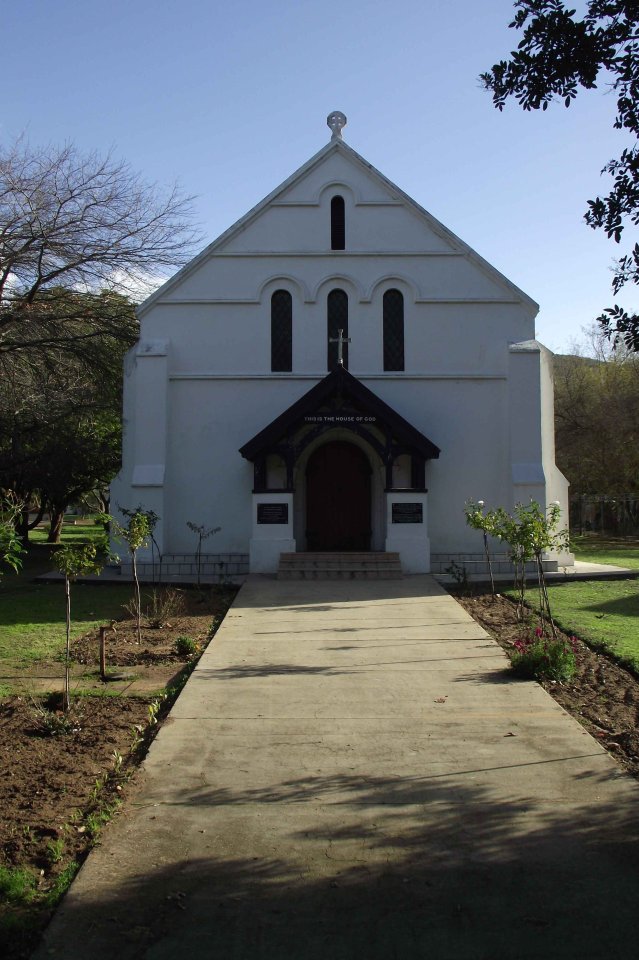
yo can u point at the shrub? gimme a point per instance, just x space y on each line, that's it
52 723
544 658
185 646
163 605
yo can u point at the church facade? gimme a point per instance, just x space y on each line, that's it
336 372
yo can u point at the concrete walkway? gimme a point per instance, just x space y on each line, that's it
351 773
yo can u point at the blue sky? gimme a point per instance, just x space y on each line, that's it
230 98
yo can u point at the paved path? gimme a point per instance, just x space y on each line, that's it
352 773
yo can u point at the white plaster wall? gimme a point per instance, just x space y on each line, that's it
332 173
214 390
439 339
207 481
436 276
468 421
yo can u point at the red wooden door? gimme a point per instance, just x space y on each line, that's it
338 498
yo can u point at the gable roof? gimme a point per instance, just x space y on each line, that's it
339 383
339 146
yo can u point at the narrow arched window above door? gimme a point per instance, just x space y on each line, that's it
337 319
281 332
338 224
393 307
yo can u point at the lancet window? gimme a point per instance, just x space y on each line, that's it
337 319
393 308
281 332
338 224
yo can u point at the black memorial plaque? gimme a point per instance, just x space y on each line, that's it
272 513
408 513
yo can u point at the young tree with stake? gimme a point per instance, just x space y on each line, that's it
74 560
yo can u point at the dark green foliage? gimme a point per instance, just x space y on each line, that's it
560 52
597 424
185 646
60 419
544 658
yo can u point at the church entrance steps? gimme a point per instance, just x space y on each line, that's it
339 566
475 564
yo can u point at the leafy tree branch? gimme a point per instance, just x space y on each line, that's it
559 53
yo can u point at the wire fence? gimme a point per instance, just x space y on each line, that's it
608 516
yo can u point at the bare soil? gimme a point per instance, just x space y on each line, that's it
62 777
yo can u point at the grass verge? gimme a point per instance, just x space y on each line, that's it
604 613
622 552
32 625
78 531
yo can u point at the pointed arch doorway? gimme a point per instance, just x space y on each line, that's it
338 498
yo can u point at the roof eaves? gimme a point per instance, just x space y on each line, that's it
340 378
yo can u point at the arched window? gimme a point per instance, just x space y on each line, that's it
281 331
338 224
393 330
337 319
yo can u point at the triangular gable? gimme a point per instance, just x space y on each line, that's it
338 384
348 153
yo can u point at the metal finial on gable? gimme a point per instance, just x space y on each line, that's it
336 120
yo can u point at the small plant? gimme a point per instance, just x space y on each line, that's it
203 533
74 560
154 710
52 723
27 834
55 850
17 885
136 533
11 549
478 520
62 883
96 820
539 657
163 605
96 789
185 646
530 532
459 575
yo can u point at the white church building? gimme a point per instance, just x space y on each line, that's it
337 372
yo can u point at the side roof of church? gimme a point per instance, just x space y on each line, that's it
384 192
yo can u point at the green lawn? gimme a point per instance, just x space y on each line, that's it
605 613
32 614
622 552
81 531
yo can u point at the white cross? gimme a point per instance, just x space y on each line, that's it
340 341
336 120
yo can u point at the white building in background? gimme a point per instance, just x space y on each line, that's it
238 413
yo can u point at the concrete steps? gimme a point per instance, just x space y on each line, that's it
339 566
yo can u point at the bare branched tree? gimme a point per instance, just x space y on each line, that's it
74 223
80 236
